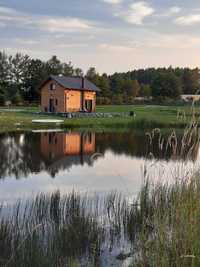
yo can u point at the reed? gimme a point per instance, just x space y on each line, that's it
161 225
169 225
168 233
50 231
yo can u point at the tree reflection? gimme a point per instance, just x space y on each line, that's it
25 153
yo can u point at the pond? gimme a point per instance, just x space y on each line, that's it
102 162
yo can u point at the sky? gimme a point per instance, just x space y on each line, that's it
110 35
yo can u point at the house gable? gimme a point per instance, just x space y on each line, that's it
56 94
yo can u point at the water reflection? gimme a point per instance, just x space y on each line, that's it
85 162
62 150
22 154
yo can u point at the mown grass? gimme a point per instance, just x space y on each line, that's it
22 120
146 117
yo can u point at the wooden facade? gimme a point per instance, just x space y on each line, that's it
60 99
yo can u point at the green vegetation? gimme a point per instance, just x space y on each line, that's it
169 227
21 119
161 225
166 85
148 116
21 75
50 231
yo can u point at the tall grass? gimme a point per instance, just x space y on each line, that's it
169 213
161 225
169 228
51 230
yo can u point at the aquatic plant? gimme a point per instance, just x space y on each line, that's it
161 226
50 231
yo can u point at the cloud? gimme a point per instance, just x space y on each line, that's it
72 45
9 15
115 47
174 10
7 10
57 24
28 42
188 20
153 42
171 41
62 24
137 13
113 2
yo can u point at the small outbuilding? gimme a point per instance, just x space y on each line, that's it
60 94
190 98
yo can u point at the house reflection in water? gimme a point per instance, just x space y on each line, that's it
63 150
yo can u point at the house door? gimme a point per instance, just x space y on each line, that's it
88 105
51 105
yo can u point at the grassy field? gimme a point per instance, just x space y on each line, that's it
147 116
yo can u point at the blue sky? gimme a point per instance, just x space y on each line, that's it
111 35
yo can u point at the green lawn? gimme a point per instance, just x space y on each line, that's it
147 116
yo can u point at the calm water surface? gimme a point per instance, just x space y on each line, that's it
86 162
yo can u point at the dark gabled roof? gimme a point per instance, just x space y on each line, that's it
75 83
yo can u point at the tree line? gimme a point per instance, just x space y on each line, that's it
21 75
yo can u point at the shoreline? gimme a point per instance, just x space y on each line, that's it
147 117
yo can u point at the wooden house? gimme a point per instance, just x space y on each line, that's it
60 94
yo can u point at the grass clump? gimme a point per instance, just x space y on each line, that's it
166 215
161 226
50 231
54 230
168 224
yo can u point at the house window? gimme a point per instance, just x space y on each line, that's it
52 86
56 102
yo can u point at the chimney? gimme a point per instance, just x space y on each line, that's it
83 82
82 93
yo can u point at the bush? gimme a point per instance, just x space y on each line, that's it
117 100
103 100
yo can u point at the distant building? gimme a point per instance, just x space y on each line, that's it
68 94
190 98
